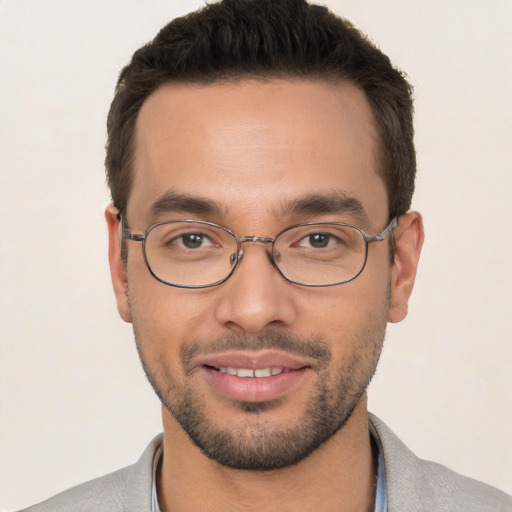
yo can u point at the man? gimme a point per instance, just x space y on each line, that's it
261 164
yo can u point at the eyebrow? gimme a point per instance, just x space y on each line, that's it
173 202
338 203
321 204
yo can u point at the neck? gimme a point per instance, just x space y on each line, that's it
341 472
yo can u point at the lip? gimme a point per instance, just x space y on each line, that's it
254 360
254 389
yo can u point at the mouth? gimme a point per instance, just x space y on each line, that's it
250 373
254 377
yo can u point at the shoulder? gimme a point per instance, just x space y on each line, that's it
416 484
127 488
89 495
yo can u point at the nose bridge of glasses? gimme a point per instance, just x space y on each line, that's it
255 239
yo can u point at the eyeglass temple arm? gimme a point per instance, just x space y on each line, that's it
387 230
134 237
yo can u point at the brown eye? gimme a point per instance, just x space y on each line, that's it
192 240
319 240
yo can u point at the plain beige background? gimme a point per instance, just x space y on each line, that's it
74 403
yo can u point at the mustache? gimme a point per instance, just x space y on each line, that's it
315 348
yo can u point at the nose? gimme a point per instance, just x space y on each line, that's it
256 296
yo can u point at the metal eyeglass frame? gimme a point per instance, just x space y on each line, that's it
368 239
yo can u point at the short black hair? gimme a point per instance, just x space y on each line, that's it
237 39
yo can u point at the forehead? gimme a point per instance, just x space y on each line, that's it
252 145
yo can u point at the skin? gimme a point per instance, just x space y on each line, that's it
252 147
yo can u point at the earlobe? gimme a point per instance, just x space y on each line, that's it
117 267
409 238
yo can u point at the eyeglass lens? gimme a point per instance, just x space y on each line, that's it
201 254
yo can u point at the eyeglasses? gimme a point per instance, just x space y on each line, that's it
200 254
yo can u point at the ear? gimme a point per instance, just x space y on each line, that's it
117 269
408 242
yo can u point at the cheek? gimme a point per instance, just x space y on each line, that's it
166 315
352 303
352 315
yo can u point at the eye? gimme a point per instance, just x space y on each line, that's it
318 240
192 241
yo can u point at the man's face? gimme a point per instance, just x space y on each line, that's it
257 157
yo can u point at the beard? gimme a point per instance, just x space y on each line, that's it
255 443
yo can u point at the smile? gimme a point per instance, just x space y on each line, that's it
249 373
254 385
254 376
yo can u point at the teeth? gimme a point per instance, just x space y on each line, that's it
247 372
242 372
264 372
